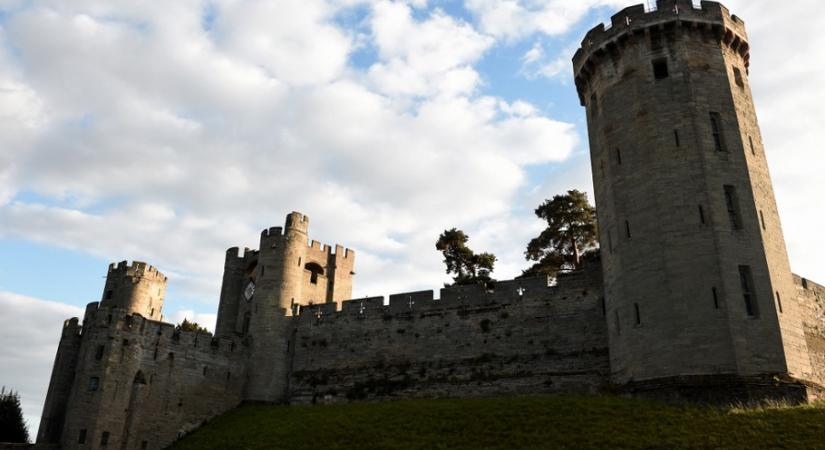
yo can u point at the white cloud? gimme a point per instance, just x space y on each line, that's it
30 331
515 19
432 56
168 143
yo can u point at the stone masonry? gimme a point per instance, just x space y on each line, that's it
693 298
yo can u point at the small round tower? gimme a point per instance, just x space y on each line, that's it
696 274
268 299
138 288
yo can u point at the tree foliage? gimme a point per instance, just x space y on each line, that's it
191 326
569 237
466 266
12 426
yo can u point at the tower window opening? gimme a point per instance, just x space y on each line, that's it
715 298
246 318
732 205
702 215
737 75
638 314
718 136
676 138
604 306
94 384
627 228
99 352
314 269
762 220
108 295
753 149
748 295
779 302
619 156
81 437
104 439
660 70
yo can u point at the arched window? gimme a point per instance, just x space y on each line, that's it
139 378
315 269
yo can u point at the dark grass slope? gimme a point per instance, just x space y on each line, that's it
526 422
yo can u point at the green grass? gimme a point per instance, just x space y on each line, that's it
554 422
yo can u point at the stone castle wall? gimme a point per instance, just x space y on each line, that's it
469 342
145 382
811 301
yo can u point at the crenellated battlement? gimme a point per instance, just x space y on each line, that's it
136 269
638 21
134 326
503 292
235 253
272 232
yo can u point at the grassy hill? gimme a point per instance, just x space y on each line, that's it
526 422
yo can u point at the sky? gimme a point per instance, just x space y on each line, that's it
131 131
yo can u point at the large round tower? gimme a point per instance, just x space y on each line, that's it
697 281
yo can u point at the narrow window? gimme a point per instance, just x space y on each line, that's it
702 215
746 280
155 355
245 328
676 138
627 228
753 149
660 71
779 302
299 261
94 383
604 306
152 313
109 319
804 283
81 438
618 157
638 315
609 240
144 445
104 439
263 270
618 324
108 295
99 352
718 135
204 370
737 75
762 219
715 298
732 205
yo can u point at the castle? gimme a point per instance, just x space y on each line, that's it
693 297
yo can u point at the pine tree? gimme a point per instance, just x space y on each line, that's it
191 326
467 266
569 237
12 426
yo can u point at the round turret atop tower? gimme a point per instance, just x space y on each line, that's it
138 288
